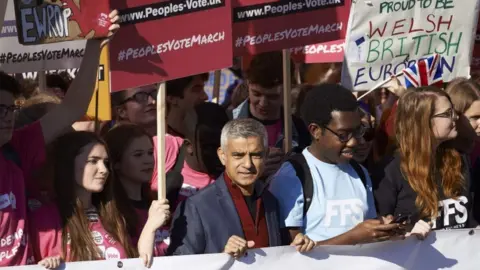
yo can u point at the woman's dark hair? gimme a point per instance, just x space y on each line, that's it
73 218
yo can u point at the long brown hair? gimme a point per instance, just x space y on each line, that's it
118 139
420 162
463 93
73 218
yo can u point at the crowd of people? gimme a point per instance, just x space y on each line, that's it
401 163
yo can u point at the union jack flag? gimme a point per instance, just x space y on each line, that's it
425 72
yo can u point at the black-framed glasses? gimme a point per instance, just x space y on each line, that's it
346 137
142 97
5 110
450 113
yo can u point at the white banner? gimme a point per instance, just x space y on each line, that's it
456 249
16 58
385 37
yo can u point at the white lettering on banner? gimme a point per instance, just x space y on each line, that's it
349 211
284 8
168 10
383 36
33 75
319 49
441 250
12 58
291 33
171 45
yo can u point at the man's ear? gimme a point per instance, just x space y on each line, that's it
121 112
315 131
221 155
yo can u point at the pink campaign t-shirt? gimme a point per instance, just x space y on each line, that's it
29 145
274 131
193 181
46 234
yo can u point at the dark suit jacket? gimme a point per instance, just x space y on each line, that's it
204 222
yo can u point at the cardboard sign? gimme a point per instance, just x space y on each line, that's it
270 25
328 52
16 58
385 37
103 88
164 40
50 21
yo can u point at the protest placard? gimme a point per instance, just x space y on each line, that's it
164 40
50 21
100 106
270 25
385 37
16 58
327 52
227 78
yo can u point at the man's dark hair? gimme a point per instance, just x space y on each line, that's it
266 70
176 88
323 99
10 85
209 117
117 98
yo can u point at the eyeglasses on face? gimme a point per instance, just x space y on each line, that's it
346 137
142 97
450 113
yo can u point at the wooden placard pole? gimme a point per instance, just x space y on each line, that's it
42 80
287 101
161 131
217 75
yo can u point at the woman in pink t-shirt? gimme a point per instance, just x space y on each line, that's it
85 222
131 155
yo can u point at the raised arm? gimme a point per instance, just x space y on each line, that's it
80 92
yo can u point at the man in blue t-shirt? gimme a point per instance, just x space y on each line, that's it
342 209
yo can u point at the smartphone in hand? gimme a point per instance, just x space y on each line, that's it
405 221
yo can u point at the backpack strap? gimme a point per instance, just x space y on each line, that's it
174 178
302 170
10 154
361 173
178 166
299 163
